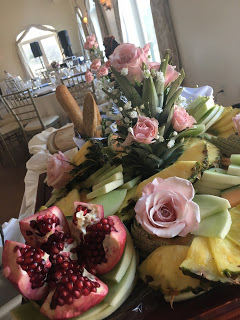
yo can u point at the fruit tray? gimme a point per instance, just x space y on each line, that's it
220 303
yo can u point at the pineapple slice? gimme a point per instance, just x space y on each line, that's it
200 262
80 155
227 257
161 271
195 150
234 234
190 170
214 155
66 204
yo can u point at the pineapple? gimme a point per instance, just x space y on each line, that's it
233 233
161 271
195 150
147 243
80 156
227 257
200 263
214 155
190 170
66 204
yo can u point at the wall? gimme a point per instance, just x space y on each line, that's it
16 15
207 33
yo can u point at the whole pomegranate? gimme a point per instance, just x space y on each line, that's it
61 267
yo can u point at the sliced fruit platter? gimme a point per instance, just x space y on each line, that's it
154 206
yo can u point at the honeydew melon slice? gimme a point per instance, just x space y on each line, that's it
234 234
220 179
215 226
105 189
219 170
200 112
130 184
109 173
214 118
111 201
117 290
196 130
234 170
114 177
209 204
118 272
207 190
232 195
235 159
196 104
90 180
209 114
211 184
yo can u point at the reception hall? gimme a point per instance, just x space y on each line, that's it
127 109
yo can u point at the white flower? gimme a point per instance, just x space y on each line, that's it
159 110
181 101
160 138
124 71
133 114
175 133
115 100
142 107
171 143
146 73
126 120
120 109
160 77
128 106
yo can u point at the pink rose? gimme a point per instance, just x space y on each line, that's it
91 42
96 64
108 64
89 76
144 131
181 119
171 74
128 56
236 121
103 71
166 208
58 168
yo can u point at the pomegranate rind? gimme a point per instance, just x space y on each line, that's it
18 277
114 244
35 240
79 306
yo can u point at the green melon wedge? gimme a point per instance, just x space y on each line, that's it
91 179
109 173
105 189
114 177
131 183
235 159
111 201
215 226
234 170
209 204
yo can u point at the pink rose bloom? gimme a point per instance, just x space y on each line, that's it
166 208
236 121
171 74
127 55
89 76
144 131
58 168
91 42
103 71
181 119
96 64
108 64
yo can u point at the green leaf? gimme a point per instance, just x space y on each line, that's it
164 62
149 96
175 85
169 105
127 88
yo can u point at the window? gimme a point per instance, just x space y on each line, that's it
137 25
48 42
95 22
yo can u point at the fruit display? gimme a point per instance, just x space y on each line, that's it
150 199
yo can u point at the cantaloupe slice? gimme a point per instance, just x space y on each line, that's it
232 195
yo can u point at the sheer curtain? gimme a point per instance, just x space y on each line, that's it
164 29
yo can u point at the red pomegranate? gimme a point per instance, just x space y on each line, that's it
37 228
58 268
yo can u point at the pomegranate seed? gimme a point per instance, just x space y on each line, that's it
60 302
77 294
57 275
85 291
104 221
64 265
64 293
69 286
59 259
79 284
93 289
73 278
69 300
20 260
64 279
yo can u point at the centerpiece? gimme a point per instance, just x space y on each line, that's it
152 196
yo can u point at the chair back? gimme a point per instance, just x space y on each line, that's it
78 87
23 107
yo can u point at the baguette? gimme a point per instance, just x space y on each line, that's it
91 117
72 109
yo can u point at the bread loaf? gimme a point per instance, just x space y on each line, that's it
72 109
91 117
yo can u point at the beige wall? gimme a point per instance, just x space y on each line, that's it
16 15
207 32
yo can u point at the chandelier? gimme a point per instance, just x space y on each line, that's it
106 3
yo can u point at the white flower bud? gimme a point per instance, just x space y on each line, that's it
160 77
124 71
159 110
171 143
146 74
120 109
133 114
128 106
